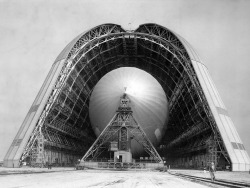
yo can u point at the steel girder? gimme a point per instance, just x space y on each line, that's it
150 47
123 122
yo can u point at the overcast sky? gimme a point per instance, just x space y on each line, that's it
32 34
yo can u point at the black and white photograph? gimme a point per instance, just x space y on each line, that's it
124 93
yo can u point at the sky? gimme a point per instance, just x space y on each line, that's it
33 33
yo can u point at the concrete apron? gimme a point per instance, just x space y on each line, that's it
119 165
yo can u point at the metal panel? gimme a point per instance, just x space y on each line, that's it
15 151
240 153
21 136
239 158
208 85
227 128
29 117
222 111
244 155
213 88
232 129
227 138
232 135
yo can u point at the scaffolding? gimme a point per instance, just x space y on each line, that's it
119 128
63 118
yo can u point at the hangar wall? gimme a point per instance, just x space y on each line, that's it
235 148
233 145
13 155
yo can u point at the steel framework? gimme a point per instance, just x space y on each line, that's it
63 119
122 124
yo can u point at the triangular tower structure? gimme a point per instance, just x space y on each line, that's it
57 128
122 127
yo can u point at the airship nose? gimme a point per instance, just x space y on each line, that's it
147 100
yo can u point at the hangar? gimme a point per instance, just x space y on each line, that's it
199 130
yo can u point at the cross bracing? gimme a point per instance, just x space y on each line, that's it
122 125
150 47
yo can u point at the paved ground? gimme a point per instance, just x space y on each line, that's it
220 175
29 170
63 177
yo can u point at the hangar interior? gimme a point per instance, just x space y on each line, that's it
61 131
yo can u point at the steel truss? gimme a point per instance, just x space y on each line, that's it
150 47
122 123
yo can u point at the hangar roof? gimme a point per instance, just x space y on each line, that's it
191 52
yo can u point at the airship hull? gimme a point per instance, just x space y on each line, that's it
147 100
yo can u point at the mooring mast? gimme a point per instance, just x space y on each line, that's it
122 127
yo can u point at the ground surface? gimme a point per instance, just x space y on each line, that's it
67 177
219 175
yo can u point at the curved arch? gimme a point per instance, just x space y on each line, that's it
79 39
62 115
152 48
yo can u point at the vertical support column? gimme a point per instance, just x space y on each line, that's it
212 150
40 157
123 139
37 152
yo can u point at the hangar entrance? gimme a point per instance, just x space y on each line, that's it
147 104
58 124
121 129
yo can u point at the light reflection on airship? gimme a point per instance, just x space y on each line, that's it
148 102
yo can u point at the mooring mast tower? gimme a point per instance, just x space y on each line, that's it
122 127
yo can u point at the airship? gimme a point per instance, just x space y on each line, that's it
147 100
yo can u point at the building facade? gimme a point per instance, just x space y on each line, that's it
199 131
